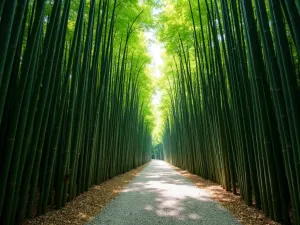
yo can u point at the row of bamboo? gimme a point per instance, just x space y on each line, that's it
234 96
71 114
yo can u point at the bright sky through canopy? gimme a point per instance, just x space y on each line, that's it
155 50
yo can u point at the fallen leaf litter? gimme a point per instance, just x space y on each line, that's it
87 205
246 215
84 207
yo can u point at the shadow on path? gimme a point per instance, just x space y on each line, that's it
160 195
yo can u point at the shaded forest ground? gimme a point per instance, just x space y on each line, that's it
89 204
244 214
84 207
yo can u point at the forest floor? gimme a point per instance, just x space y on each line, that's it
247 215
161 195
156 193
84 207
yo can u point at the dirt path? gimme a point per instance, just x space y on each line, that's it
161 195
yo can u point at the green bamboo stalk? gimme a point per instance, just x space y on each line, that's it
6 25
21 8
17 107
81 96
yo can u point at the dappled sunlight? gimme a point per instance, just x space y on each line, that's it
160 191
163 212
130 190
153 176
194 216
84 216
215 190
148 208
176 191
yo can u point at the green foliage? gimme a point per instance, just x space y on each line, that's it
232 112
75 99
157 151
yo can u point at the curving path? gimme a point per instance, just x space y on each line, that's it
160 195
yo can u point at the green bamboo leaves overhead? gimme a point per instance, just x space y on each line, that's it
72 114
234 98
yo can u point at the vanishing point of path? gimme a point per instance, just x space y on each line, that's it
160 195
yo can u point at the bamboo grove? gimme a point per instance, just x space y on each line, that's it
234 101
71 112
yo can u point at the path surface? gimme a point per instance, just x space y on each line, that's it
160 195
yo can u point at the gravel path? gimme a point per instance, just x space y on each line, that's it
160 195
